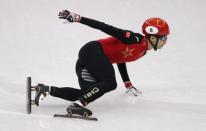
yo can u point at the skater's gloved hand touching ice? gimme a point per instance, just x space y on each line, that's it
67 15
131 89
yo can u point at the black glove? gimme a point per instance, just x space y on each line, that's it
71 17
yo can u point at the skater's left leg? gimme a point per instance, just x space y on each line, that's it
96 77
100 70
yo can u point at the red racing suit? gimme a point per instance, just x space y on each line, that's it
122 46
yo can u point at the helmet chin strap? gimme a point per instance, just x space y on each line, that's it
153 45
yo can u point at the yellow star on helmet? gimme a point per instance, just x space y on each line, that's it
127 52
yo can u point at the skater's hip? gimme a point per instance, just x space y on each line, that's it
91 48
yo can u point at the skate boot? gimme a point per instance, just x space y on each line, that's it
41 92
76 109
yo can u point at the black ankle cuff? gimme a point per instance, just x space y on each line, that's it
83 101
52 90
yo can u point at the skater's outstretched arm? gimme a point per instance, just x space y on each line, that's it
128 37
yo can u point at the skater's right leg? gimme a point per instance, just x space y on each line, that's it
67 93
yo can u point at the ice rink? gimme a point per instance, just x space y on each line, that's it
34 42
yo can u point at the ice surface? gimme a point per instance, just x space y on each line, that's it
34 42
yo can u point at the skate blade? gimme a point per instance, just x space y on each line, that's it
76 116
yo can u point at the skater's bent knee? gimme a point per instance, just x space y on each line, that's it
110 85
